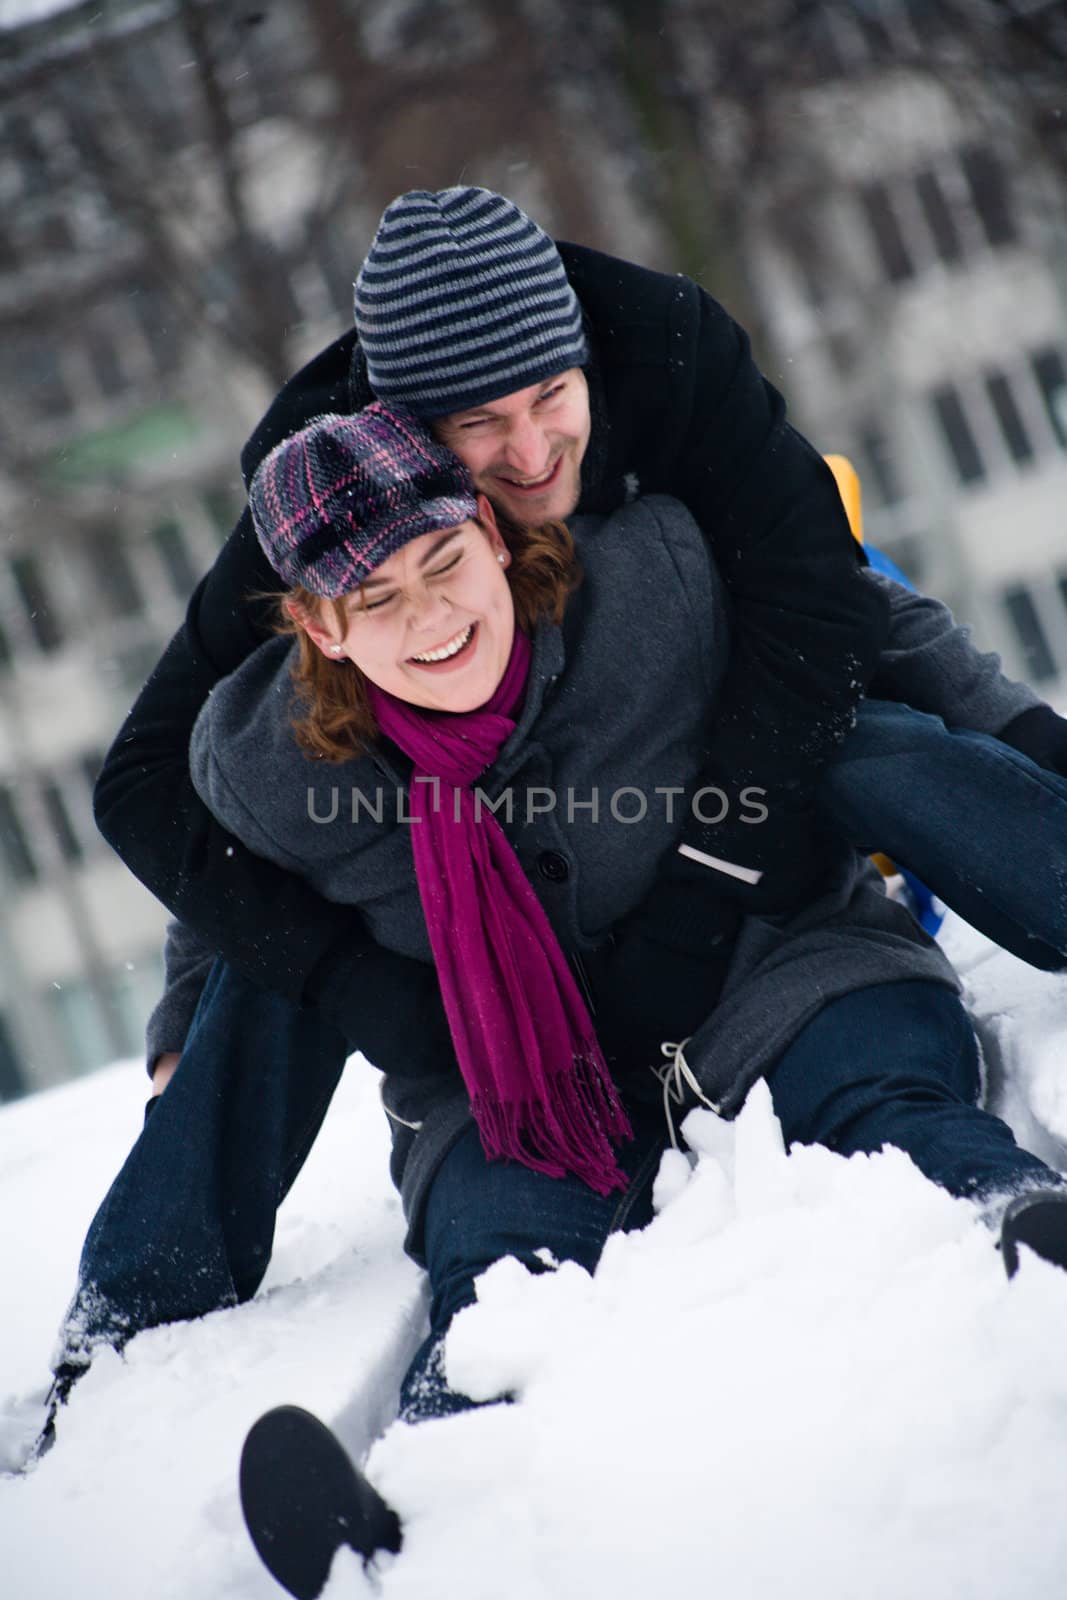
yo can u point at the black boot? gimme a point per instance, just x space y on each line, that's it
1037 1219
303 1498
64 1378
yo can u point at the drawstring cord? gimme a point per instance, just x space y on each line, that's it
676 1076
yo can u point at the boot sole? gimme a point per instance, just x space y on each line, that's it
303 1498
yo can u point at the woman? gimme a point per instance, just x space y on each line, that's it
521 741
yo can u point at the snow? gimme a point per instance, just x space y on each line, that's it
808 1375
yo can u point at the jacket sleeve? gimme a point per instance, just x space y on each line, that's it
187 960
807 627
930 662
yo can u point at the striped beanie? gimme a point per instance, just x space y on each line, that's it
338 498
462 299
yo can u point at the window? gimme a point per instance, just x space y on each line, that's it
133 990
85 772
879 466
1011 423
132 666
103 357
113 575
956 431
43 386
32 157
31 590
887 233
70 846
88 1031
12 1082
18 858
939 218
173 552
159 324
988 187
223 509
153 88
1051 375
1040 665
91 763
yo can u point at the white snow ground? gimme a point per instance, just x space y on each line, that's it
808 1377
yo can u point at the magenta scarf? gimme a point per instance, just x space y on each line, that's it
539 1087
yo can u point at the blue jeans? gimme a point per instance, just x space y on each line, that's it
896 1064
188 1224
479 1211
979 823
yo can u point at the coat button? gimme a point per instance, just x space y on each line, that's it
553 866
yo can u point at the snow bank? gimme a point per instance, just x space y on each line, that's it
807 1376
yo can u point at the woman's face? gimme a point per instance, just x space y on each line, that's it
434 624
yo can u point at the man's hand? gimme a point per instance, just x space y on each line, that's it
163 1071
1040 734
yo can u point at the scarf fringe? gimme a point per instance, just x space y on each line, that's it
574 1133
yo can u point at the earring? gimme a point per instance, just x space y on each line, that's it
502 558
337 649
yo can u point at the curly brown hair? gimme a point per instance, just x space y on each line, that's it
331 712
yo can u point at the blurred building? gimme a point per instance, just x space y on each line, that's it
185 193
919 318
186 188
122 410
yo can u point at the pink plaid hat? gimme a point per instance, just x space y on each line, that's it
335 500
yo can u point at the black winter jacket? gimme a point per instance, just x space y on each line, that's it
679 407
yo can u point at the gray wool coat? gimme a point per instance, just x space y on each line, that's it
590 790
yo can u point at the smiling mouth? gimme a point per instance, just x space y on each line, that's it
533 485
448 651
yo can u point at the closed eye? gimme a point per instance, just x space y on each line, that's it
376 605
439 572
387 599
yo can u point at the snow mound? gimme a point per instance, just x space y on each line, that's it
808 1376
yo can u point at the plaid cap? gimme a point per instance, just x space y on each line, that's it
335 500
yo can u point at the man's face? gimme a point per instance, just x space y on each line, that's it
525 450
